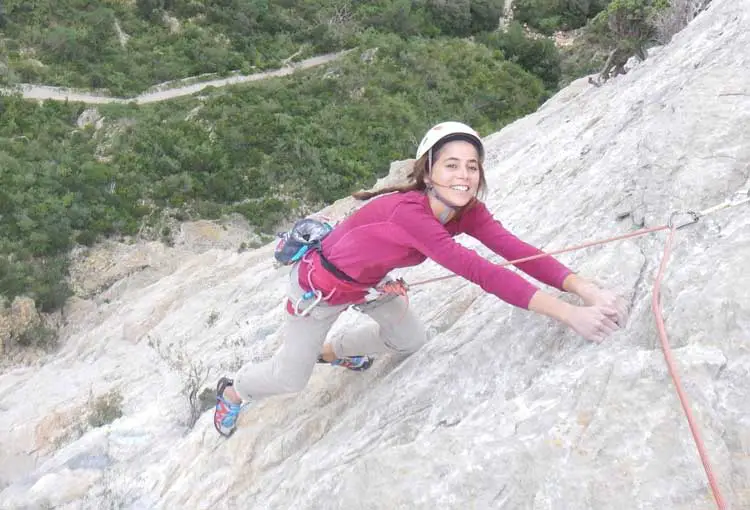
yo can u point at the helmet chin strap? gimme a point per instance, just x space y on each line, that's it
445 214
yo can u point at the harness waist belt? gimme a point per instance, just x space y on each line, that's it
335 271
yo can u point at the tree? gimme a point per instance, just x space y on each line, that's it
631 23
629 19
149 9
452 17
485 15
538 56
550 15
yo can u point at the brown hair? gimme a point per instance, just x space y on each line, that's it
416 181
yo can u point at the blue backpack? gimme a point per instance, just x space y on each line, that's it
306 234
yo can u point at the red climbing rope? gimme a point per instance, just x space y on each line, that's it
656 308
564 250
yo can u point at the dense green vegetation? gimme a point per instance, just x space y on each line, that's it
318 137
602 25
539 56
76 42
265 150
623 17
270 150
547 16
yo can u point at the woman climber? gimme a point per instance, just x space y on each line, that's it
402 228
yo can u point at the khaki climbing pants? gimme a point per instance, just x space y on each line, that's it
396 330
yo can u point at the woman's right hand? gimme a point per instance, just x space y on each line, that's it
594 322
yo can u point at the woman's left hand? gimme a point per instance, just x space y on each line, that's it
594 295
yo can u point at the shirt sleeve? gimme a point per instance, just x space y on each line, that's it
481 225
423 232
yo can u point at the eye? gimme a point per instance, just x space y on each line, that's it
452 165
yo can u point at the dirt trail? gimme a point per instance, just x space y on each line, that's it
64 94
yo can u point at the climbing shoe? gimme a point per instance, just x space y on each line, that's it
226 412
356 363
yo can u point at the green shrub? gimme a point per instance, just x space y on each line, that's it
42 279
40 337
104 409
631 21
547 16
627 24
86 238
206 400
538 56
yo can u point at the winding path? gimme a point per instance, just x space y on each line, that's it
65 94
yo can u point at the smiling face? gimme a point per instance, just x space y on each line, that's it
456 172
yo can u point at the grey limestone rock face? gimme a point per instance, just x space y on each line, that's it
502 408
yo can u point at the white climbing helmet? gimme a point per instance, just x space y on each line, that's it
450 129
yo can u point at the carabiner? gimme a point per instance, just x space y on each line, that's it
307 295
694 217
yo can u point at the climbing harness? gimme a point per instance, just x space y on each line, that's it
306 236
398 287
314 295
292 247
302 306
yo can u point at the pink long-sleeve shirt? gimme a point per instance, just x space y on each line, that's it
400 230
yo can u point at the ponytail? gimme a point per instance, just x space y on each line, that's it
414 182
367 195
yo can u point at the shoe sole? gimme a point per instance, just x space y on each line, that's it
367 364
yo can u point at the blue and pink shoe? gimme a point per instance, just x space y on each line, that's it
226 412
356 363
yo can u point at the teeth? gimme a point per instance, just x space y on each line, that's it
460 188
